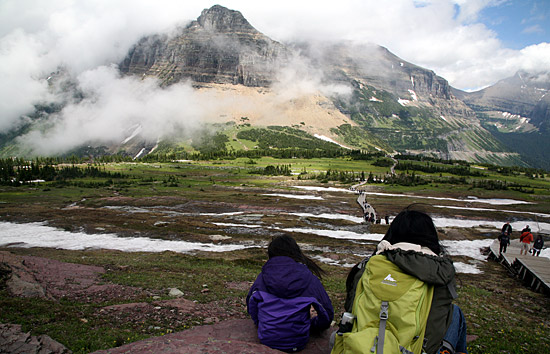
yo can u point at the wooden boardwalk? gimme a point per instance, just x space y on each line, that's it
533 271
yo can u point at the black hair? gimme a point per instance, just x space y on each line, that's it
286 246
414 226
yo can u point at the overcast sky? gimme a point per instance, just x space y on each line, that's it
471 43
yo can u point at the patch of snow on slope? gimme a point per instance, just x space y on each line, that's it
139 153
403 102
326 138
137 130
413 95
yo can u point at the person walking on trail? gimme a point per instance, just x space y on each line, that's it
538 245
287 301
409 253
525 239
507 229
504 240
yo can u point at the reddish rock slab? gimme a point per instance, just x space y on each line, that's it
51 279
228 337
14 341
180 303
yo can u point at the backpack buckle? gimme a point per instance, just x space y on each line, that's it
384 310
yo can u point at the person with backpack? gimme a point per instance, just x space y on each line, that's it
525 239
504 240
506 229
287 301
538 245
399 300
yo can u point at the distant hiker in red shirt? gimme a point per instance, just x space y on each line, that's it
526 238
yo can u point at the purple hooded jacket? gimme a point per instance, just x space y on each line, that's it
279 302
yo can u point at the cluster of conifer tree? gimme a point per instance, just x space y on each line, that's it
18 171
459 170
279 170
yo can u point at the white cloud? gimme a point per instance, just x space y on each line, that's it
113 104
533 29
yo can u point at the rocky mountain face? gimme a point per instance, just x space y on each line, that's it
219 47
409 106
524 95
517 111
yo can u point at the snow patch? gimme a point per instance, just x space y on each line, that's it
495 210
294 196
443 118
468 223
139 153
403 102
374 99
227 224
137 129
469 248
352 218
461 267
326 138
339 234
333 262
40 235
324 189
413 95
469 199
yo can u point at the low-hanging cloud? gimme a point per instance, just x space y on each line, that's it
112 105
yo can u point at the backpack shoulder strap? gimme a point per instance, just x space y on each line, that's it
352 279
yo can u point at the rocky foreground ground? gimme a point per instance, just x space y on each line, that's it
225 332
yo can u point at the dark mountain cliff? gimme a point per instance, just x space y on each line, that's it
219 47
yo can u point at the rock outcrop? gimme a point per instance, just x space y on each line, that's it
219 47
13 340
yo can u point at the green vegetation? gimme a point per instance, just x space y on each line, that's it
277 137
533 147
97 196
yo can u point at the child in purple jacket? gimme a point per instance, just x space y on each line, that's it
287 300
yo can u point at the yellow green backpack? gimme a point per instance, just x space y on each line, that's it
390 309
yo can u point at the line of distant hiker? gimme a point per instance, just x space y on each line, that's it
525 239
398 300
